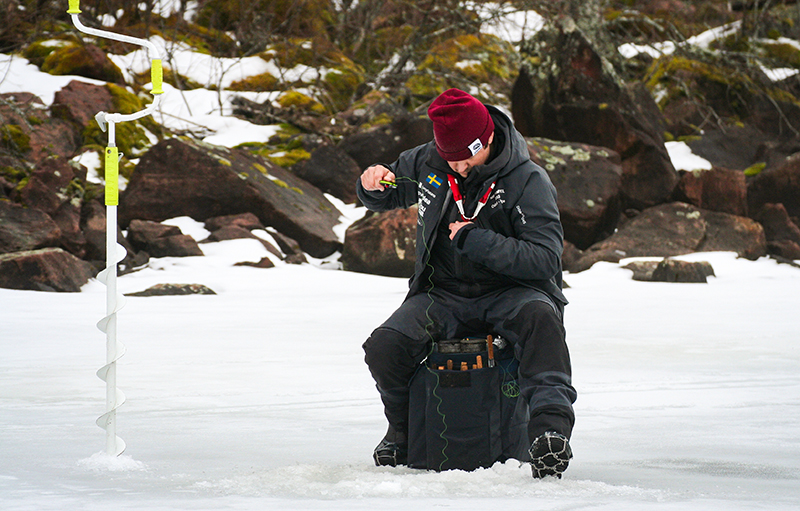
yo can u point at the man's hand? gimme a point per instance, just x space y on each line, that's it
455 226
371 178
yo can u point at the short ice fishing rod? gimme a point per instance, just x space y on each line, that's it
114 251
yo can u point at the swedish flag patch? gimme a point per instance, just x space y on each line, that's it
433 180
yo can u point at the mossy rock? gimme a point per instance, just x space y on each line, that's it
466 61
14 138
782 54
299 101
284 149
82 60
264 82
131 136
283 17
38 51
374 53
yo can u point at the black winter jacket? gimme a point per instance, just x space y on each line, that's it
518 233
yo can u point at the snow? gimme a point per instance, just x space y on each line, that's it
258 398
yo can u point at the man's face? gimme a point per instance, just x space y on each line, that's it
463 167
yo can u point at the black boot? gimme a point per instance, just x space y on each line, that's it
550 455
393 449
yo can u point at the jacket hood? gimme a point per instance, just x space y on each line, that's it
509 150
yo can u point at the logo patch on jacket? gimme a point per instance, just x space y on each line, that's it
434 180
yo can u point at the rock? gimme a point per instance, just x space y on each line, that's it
642 270
780 185
783 235
234 232
729 233
264 262
161 240
38 135
672 270
23 229
741 147
182 177
83 60
677 229
566 91
93 227
47 187
785 249
174 290
588 180
383 144
78 102
331 170
294 254
716 189
382 243
68 219
245 220
47 269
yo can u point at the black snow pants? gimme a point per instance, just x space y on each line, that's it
526 317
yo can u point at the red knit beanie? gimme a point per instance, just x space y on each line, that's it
461 125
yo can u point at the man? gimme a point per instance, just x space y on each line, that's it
489 243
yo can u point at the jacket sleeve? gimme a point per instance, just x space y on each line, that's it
534 252
406 169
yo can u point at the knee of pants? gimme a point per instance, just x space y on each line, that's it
391 357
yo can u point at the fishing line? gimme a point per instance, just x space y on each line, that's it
428 332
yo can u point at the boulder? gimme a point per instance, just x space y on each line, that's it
182 177
384 143
24 229
78 102
83 60
161 240
716 189
780 185
36 135
47 187
566 91
675 229
672 270
174 290
741 147
783 235
47 269
245 220
331 170
294 254
382 243
587 179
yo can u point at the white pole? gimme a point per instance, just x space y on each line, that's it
115 252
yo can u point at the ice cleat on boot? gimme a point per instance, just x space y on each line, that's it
390 453
550 455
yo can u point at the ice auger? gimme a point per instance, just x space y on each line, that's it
114 251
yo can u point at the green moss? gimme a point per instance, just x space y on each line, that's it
784 54
13 174
300 101
131 136
38 51
462 61
74 59
288 158
12 137
754 170
258 83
